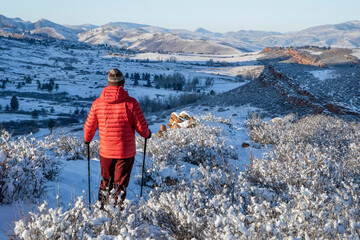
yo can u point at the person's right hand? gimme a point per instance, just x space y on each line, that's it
149 135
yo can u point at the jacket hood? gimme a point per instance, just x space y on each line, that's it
113 94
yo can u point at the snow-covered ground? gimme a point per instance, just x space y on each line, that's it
80 73
324 75
356 52
313 52
243 57
246 71
73 180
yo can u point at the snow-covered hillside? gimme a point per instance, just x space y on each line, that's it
54 30
15 23
202 183
141 40
142 37
43 26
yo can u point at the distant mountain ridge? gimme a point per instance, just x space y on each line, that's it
142 37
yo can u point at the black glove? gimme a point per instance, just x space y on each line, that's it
86 142
149 134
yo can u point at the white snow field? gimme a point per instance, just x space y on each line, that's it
79 73
324 75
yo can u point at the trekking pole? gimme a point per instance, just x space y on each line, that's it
88 150
143 169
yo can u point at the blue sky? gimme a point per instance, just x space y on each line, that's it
214 15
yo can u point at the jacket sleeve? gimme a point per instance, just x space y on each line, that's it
90 124
140 122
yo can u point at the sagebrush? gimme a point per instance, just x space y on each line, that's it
306 187
27 163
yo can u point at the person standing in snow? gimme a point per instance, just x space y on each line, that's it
118 116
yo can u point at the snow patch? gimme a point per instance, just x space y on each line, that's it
168 172
323 75
312 52
356 53
2 156
188 57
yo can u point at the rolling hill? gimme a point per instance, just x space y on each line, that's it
146 38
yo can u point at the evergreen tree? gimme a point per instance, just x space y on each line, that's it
52 82
195 81
148 84
35 114
38 85
210 63
137 76
28 79
83 112
51 124
14 103
209 81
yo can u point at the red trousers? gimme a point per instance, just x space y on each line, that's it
115 174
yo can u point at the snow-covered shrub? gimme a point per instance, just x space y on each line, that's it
76 223
306 188
259 129
79 222
73 147
315 167
178 149
316 152
26 165
206 207
193 145
209 117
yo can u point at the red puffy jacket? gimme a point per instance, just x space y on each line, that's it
118 116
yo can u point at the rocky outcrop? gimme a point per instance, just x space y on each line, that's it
285 86
296 55
176 121
297 96
304 58
314 56
340 110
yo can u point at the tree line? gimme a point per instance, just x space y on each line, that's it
175 81
49 86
